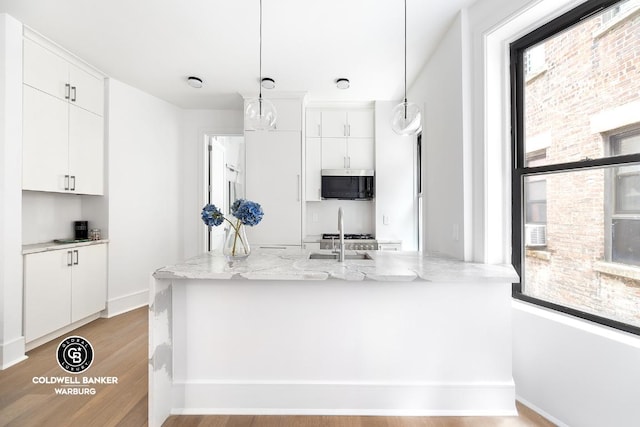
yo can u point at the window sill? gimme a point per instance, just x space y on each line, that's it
534 74
542 254
614 22
616 269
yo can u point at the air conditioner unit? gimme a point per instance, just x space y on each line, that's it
535 235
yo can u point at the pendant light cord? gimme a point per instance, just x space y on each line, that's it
405 54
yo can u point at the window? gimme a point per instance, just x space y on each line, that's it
576 165
621 9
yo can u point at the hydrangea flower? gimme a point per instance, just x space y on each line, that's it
211 215
248 212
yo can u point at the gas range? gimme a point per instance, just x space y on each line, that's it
353 241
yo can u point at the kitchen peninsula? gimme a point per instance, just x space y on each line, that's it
401 333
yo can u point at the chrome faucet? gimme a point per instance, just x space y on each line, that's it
341 231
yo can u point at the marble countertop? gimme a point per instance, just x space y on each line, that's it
393 266
53 246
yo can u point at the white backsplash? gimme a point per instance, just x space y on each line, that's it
322 216
48 216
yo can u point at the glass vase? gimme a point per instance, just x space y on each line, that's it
236 246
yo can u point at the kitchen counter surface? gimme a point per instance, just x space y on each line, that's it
265 264
53 246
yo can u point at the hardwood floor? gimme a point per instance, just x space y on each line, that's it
121 346
120 350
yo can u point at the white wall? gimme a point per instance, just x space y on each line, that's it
196 124
144 192
573 372
322 216
11 339
395 181
438 89
49 216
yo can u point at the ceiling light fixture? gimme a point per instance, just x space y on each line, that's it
407 117
268 83
260 114
195 82
342 83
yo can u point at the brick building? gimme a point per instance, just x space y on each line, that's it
582 228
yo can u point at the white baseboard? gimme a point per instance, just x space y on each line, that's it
12 352
541 412
127 303
368 399
59 332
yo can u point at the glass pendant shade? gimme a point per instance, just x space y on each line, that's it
406 118
260 114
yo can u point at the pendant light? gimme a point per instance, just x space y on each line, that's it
260 114
407 117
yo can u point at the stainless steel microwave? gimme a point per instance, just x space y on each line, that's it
347 184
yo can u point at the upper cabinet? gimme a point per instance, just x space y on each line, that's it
349 123
63 127
288 114
48 72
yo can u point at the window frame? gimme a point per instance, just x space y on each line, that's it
518 159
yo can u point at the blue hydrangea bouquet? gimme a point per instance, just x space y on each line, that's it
245 212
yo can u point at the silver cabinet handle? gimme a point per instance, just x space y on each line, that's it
348 165
73 93
66 182
348 130
73 183
77 257
319 130
344 130
67 90
69 259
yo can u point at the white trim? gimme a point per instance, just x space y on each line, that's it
577 323
125 303
346 398
12 352
616 118
541 412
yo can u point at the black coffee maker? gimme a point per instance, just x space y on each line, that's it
81 230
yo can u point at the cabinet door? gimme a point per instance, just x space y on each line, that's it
87 90
289 114
88 281
47 293
361 124
334 153
313 124
44 70
44 141
273 179
86 164
313 166
334 124
361 153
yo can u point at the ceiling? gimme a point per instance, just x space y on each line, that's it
155 45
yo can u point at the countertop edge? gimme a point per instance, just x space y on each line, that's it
52 246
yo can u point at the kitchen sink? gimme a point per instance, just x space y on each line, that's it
316 255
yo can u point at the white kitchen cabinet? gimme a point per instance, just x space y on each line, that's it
88 281
47 293
347 123
63 128
288 114
313 163
52 74
62 287
273 179
313 125
351 153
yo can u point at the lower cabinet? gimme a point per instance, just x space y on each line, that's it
62 287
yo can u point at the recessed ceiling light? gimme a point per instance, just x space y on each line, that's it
195 82
342 83
268 83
